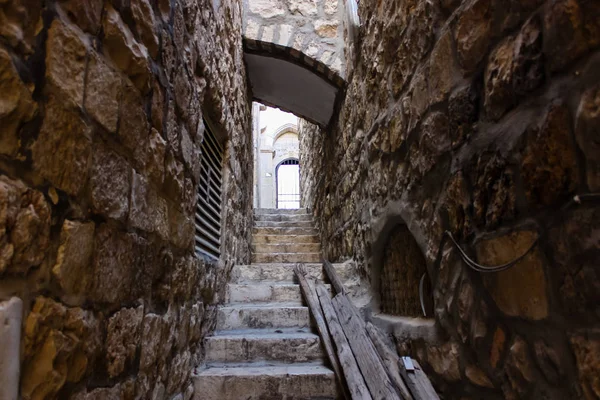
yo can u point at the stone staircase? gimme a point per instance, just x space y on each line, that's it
265 346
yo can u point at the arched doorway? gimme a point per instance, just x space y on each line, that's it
288 183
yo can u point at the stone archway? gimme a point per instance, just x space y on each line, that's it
293 52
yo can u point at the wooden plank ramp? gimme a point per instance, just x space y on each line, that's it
365 365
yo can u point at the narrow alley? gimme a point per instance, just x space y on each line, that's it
156 225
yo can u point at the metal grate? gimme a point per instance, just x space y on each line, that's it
208 206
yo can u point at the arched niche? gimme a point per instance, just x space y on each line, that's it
400 280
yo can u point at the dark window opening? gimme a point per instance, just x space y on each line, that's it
208 205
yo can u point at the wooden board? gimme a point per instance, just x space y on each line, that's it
364 352
336 283
390 360
313 303
418 382
354 379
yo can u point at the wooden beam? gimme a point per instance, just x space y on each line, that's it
390 360
366 356
418 382
356 383
313 303
336 283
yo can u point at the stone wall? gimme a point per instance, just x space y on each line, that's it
312 27
100 129
479 117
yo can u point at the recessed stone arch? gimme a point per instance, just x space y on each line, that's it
401 283
285 78
293 52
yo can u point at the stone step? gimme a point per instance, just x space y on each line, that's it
259 382
277 239
286 248
283 217
286 257
284 231
262 315
283 272
281 211
286 347
284 224
264 292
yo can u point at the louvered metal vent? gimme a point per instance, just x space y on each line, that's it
208 207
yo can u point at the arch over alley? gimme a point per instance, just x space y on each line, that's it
293 52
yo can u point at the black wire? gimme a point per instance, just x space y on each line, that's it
497 268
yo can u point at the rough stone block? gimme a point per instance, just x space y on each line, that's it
60 344
549 165
473 34
303 7
578 277
494 193
151 336
10 343
331 7
156 161
181 229
73 260
24 227
16 105
174 179
20 22
519 366
462 113
110 183
326 29
66 51
128 55
123 338
158 106
62 152
443 68
145 23
85 13
564 36
521 290
587 132
134 128
103 91
267 8
587 352
116 258
445 360
499 93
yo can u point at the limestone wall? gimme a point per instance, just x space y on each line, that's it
312 27
479 117
100 126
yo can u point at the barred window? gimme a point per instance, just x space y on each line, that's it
208 206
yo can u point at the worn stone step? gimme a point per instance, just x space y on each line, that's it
283 217
286 248
284 224
286 257
281 211
284 231
262 315
277 239
264 292
287 347
284 272
259 382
